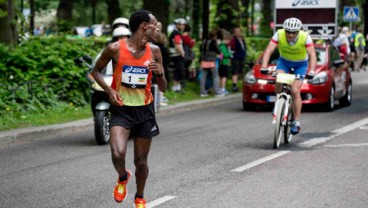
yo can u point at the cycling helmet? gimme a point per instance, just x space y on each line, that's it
121 31
292 24
121 21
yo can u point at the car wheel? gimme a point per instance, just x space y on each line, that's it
346 100
330 104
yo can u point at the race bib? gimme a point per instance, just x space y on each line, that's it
134 76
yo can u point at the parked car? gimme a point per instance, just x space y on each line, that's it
332 82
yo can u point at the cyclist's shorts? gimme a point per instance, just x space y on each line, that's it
300 67
139 119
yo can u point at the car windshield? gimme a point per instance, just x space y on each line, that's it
320 53
321 56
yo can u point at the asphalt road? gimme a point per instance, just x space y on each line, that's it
218 157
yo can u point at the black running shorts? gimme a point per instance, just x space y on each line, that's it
139 119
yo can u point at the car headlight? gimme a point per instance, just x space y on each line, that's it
319 78
249 78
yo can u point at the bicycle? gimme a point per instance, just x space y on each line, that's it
282 112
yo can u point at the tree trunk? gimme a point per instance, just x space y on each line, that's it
365 18
229 20
267 18
159 8
64 15
113 10
205 17
196 19
7 28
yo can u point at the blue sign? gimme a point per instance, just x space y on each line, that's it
351 14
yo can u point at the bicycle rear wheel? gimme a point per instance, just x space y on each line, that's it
277 134
290 118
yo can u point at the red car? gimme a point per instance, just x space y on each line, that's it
332 82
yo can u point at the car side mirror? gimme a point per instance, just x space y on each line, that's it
338 63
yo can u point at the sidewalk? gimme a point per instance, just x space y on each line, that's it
58 130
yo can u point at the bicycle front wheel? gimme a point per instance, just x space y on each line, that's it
290 118
277 134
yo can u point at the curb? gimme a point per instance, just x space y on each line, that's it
57 130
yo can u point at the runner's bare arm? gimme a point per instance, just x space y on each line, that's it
109 53
157 68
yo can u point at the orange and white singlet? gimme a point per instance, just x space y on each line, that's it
131 78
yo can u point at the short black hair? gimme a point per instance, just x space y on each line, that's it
137 18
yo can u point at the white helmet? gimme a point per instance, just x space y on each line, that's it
292 24
121 31
180 21
120 21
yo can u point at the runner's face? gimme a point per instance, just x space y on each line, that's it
152 30
290 36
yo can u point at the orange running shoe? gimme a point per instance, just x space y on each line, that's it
120 191
140 203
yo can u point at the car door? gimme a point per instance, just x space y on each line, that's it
339 74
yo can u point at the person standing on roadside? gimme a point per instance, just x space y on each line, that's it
135 62
225 60
177 54
161 42
239 48
359 43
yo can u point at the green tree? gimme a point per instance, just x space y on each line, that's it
7 22
64 15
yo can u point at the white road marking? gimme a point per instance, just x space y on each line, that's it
309 143
347 145
363 127
260 161
160 201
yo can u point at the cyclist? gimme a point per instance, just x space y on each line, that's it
135 62
295 47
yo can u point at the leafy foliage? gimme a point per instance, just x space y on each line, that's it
41 72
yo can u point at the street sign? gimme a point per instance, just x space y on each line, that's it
351 14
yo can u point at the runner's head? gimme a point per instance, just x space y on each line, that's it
143 20
292 26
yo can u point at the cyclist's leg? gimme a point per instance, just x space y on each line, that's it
300 70
297 99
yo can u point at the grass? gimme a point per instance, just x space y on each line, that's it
60 114
66 112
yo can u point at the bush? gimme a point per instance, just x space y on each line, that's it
41 72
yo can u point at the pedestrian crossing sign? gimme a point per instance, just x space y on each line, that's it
351 14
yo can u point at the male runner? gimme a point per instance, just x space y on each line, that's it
295 47
135 61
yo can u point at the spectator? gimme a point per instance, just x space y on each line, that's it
359 43
342 42
188 44
161 42
177 54
88 32
225 60
239 48
209 52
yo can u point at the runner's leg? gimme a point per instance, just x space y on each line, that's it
118 142
141 150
